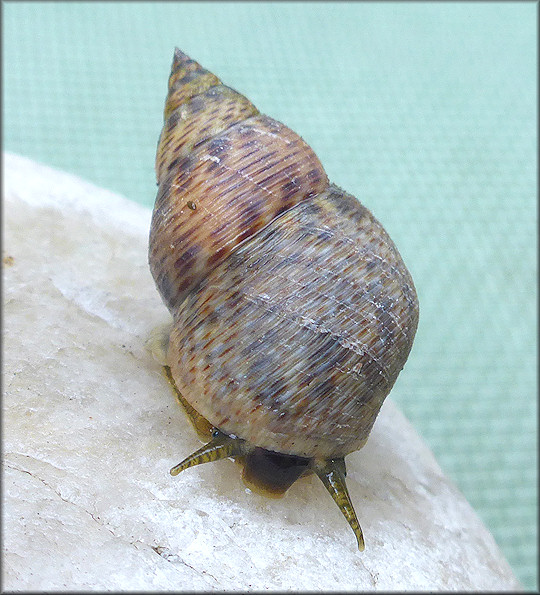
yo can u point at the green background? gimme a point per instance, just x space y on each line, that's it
426 112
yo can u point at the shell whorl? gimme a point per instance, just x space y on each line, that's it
294 312
238 170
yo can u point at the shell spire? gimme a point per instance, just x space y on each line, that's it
237 169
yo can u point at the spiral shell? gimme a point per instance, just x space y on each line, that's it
293 310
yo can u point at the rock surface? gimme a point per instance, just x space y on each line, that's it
91 428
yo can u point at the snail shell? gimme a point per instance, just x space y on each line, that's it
293 310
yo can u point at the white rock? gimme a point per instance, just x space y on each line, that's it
91 428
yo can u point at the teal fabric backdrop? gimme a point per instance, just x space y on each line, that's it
425 111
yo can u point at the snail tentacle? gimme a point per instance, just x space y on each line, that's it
221 446
332 473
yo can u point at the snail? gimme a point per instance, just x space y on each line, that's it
293 312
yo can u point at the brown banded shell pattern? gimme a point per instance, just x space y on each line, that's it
294 341
224 172
293 310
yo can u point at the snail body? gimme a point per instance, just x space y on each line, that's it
293 312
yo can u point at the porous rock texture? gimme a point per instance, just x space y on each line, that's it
91 428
